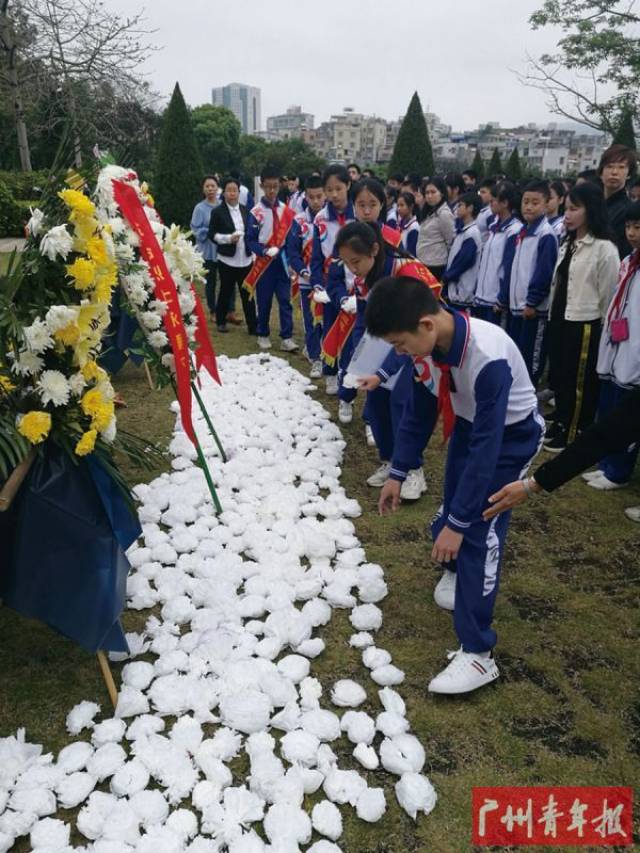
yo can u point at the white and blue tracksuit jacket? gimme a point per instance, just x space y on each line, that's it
484 222
299 239
259 231
529 263
410 231
327 272
461 273
491 270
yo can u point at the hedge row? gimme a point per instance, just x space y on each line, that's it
14 214
25 186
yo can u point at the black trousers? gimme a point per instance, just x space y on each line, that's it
210 285
573 355
229 278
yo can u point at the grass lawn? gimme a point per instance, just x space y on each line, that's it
565 712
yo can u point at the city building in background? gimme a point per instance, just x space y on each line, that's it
243 101
290 125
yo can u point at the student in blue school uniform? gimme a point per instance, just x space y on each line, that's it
555 208
505 200
619 359
268 225
391 201
369 257
299 250
461 273
408 222
530 261
490 411
486 215
325 263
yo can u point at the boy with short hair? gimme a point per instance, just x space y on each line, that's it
299 249
461 275
530 261
490 409
504 226
268 225
486 216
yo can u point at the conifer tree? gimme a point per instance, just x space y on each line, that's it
178 172
495 164
478 164
514 166
412 151
625 134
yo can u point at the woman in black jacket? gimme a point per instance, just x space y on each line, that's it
227 228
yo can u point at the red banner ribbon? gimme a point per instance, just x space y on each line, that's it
205 354
276 240
165 289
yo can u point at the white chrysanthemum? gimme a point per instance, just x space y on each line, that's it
137 294
106 389
168 360
60 316
104 186
109 434
77 383
158 340
38 337
132 238
57 241
118 226
159 306
150 320
27 364
34 225
124 252
187 302
191 328
53 387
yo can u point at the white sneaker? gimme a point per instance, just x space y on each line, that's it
380 477
331 385
466 672
289 345
316 370
591 475
444 594
633 513
414 486
264 343
604 484
345 412
305 352
368 432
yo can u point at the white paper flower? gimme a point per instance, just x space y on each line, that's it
77 383
59 317
57 241
158 340
27 364
53 387
34 225
150 320
38 337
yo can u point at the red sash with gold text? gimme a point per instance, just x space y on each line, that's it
278 236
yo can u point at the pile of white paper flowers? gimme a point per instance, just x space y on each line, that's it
227 657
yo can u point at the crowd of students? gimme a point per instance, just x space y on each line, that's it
481 291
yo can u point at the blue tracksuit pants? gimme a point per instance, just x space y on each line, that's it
312 331
479 560
274 282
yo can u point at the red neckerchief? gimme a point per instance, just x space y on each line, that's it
619 299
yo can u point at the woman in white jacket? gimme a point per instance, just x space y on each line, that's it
583 284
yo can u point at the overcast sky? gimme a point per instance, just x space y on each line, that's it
367 54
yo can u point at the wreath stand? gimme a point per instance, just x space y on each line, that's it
7 495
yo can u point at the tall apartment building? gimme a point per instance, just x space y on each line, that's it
243 101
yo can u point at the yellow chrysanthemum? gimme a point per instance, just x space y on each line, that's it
86 443
6 384
102 292
92 402
69 336
97 250
35 426
92 370
84 230
79 204
102 416
83 272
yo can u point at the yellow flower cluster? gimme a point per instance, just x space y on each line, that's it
94 274
100 409
35 426
87 443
